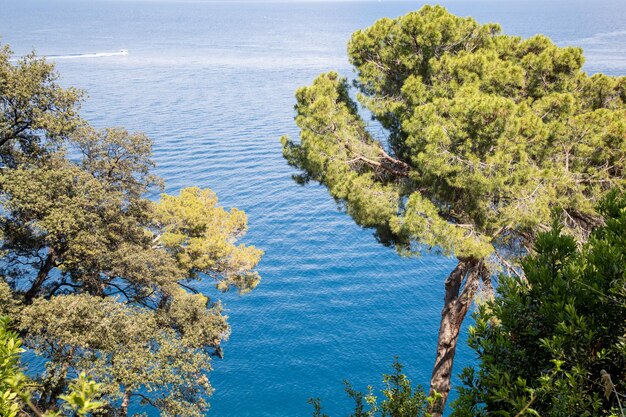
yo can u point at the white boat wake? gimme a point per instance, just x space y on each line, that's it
76 56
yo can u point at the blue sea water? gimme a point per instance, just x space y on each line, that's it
212 83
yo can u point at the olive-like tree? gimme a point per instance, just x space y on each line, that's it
97 277
487 134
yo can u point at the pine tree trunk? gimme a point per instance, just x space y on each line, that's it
457 301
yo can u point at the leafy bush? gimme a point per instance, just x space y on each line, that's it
552 343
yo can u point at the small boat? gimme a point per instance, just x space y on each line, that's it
71 56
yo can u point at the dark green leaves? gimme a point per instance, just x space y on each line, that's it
547 342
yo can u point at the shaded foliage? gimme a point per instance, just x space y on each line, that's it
552 344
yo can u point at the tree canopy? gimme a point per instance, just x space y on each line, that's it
487 135
552 344
96 276
487 132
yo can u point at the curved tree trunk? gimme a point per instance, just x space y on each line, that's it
458 299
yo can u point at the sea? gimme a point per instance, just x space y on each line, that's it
212 83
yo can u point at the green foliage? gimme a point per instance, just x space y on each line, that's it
96 276
121 345
80 399
201 237
325 109
399 398
10 350
552 344
488 134
16 389
37 113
